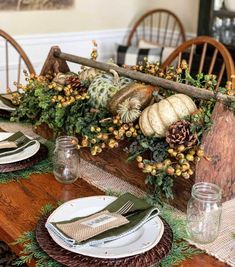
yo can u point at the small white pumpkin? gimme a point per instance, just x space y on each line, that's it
156 118
61 78
88 74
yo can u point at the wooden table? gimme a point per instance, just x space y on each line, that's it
21 202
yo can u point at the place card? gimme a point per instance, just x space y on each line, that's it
83 229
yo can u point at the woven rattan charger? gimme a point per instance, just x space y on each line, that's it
5 113
26 163
70 259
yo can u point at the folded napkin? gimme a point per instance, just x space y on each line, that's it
24 142
7 100
140 213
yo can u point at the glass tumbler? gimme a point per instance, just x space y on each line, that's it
217 28
204 213
66 159
227 31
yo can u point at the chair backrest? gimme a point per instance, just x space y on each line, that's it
204 55
13 60
159 26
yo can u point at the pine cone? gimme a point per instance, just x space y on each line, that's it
74 82
179 134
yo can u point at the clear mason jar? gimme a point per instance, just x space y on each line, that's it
66 159
204 213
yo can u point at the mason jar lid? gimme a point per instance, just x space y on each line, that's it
206 192
66 141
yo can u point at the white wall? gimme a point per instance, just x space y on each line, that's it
90 15
186 10
87 15
106 21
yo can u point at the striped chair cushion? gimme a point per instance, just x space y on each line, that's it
166 50
130 55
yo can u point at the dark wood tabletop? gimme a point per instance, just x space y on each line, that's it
21 202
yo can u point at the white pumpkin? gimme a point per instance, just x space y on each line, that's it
144 123
156 118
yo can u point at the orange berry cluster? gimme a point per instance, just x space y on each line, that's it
109 137
230 90
179 163
69 98
154 69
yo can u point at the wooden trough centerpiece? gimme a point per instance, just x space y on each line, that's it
219 142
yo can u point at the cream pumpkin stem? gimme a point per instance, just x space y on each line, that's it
116 77
157 97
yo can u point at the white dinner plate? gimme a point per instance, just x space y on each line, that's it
6 107
138 242
24 154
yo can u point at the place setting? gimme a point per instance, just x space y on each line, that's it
105 231
18 151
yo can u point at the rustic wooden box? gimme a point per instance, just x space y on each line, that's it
217 167
115 162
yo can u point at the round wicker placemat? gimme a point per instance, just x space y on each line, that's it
26 163
5 113
70 259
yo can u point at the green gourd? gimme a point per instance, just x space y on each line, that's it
104 86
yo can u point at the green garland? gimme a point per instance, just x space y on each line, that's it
31 248
44 166
181 250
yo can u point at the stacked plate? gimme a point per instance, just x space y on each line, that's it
6 106
19 158
138 242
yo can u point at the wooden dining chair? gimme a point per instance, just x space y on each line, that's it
159 26
204 55
13 60
219 142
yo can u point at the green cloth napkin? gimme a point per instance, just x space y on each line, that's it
140 213
26 142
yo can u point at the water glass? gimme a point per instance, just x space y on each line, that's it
204 213
66 159
218 4
233 31
217 28
227 31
